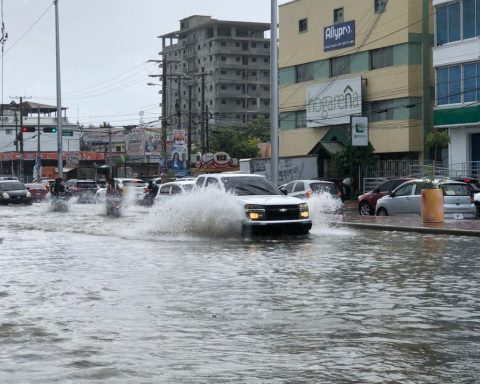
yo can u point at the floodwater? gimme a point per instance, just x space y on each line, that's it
174 294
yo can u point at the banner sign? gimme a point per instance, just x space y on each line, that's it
333 102
359 131
338 36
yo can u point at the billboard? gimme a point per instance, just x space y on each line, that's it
359 131
333 102
338 36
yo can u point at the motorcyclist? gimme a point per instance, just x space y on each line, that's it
151 192
57 189
113 189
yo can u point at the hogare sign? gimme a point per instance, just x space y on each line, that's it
339 36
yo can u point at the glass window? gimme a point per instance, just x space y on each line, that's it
454 22
381 58
303 25
455 84
441 22
301 119
379 5
298 187
338 15
404 190
340 65
468 18
470 82
442 86
304 72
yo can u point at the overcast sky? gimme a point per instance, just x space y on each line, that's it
104 47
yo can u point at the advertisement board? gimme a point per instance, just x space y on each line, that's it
333 102
338 36
359 131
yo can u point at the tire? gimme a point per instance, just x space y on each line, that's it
364 209
382 212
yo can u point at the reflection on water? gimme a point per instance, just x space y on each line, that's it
86 297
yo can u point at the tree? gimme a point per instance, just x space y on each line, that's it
241 142
436 140
236 143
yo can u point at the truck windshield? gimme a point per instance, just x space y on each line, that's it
249 185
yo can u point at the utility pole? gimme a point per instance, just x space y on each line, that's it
189 133
274 92
202 115
110 168
59 96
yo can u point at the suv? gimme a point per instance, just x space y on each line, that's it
368 201
83 189
267 210
14 192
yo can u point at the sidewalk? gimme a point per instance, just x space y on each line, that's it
351 218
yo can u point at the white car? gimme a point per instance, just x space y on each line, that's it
267 210
174 188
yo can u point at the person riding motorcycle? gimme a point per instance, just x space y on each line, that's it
57 189
150 192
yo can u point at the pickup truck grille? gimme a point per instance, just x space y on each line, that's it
281 212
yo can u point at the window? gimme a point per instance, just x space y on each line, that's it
340 65
458 84
448 23
381 110
304 72
301 119
303 25
338 15
380 5
381 58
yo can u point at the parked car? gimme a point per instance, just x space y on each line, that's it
368 201
303 189
267 210
174 188
38 191
83 189
14 192
406 200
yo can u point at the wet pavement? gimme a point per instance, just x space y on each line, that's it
411 223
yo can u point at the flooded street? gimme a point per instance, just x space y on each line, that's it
165 296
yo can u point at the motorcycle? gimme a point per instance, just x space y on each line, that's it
114 206
59 202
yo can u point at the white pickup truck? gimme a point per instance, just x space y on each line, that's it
267 210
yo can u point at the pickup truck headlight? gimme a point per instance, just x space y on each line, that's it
5 195
255 212
303 211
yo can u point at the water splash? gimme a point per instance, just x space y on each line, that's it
208 212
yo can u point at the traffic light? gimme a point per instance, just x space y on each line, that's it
49 130
28 129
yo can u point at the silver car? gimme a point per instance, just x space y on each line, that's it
406 200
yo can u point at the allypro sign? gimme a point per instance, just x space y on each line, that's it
333 102
339 36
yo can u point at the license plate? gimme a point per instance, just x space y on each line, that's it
458 216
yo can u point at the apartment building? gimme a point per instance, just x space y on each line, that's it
225 64
456 59
347 58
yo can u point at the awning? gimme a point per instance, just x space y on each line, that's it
66 169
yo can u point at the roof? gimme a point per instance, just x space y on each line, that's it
254 25
43 107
